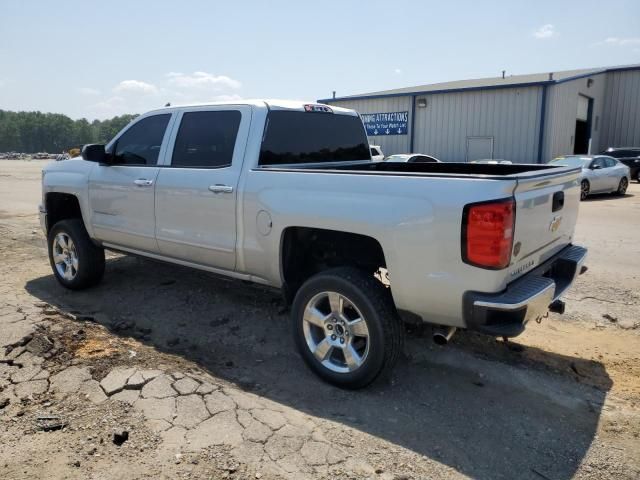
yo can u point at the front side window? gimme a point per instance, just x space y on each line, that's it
598 163
140 144
293 137
206 139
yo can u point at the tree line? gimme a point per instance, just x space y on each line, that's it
32 132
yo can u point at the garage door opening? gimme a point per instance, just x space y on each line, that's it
582 135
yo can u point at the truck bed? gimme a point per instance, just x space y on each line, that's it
435 169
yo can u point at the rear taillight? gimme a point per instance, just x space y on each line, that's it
487 233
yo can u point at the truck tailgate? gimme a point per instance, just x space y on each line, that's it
546 214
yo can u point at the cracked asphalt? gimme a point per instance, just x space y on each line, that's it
165 372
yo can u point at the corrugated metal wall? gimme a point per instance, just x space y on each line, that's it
562 111
621 120
390 143
509 115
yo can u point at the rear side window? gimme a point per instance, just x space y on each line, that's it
610 162
206 139
313 137
140 144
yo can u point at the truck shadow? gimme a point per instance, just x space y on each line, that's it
457 406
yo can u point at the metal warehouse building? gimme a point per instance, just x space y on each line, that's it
521 118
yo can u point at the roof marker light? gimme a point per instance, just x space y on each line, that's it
317 108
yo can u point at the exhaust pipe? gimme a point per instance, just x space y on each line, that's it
557 307
442 335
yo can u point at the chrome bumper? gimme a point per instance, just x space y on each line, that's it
528 298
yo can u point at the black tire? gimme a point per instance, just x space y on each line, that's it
385 333
622 186
585 187
90 258
638 176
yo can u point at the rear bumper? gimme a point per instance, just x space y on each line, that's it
505 314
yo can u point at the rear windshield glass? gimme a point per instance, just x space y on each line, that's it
622 153
615 153
313 137
571 161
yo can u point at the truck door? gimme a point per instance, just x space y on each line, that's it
121 194
196 194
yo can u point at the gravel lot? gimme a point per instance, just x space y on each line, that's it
201 374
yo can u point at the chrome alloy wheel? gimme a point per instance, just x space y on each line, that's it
336 332
622 187
584 190
65 256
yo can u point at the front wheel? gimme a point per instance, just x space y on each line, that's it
584 189
622 186
346 327
76 261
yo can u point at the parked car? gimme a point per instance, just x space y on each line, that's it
493 162
411 158
376 153
285 194
630 156
600 173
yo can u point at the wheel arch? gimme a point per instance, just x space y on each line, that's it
305 251
62 206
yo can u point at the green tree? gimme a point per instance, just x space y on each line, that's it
31 132
9 132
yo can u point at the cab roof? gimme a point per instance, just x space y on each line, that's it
271 104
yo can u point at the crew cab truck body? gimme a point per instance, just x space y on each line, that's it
285 194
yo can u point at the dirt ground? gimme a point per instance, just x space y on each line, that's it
202 375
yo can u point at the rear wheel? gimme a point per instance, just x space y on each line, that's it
622 186
76 261
584 189
346 327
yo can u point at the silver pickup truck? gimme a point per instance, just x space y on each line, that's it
285 194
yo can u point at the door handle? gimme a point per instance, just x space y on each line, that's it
219 188
143 182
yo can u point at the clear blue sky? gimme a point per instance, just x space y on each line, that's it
97 59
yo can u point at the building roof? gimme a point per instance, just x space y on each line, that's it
489 83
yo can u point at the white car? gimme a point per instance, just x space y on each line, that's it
411 158
493 162
376 153
600 173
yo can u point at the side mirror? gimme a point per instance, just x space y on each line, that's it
94 153
596 167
